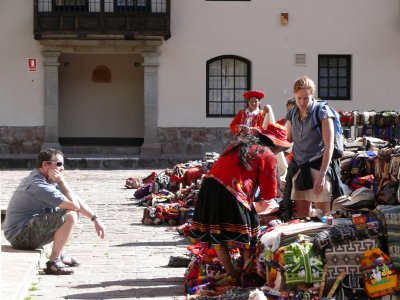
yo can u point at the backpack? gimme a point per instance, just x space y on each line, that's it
338 138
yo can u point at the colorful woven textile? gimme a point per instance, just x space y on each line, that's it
346 257
337 235
390 216
302 265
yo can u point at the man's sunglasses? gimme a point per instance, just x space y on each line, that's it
59 163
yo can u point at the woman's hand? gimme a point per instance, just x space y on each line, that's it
243 130
266 206
319 183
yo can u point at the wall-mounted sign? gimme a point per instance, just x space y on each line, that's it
284 18
32 64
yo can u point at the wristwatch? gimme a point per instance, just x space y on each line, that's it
95 216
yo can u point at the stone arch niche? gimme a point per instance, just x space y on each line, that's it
101 74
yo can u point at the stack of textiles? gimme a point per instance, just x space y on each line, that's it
390 216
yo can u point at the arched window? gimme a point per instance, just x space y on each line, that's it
228 77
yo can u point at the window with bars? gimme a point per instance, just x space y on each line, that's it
153 6
133 5
71 5
228 77
334 77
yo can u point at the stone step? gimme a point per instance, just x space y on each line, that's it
99 162
101 150
19 269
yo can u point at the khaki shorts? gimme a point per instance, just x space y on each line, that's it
39 230
324 196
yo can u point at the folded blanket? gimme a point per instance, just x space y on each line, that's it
271 240
390 216
343 234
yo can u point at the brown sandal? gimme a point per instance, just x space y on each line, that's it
60 268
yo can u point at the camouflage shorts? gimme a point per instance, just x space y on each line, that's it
39 230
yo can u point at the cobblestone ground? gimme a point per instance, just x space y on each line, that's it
130 263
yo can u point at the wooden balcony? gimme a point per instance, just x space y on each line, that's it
101 19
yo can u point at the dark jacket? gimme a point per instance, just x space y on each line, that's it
305 182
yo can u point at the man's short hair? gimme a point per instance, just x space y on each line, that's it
291 101
46 155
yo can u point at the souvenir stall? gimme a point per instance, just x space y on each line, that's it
168 196
351 253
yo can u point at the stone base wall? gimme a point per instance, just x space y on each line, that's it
174 141
193 141
21 140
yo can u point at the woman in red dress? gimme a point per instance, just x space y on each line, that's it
248 120
224 215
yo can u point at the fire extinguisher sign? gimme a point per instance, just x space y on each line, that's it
32 64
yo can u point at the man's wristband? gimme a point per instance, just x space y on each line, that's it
323 174
95 216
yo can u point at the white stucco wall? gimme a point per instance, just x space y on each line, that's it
21 92
368 30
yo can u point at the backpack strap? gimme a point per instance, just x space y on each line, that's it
315 117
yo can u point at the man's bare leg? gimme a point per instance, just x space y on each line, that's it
63 234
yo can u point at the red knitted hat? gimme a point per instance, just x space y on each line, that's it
258 94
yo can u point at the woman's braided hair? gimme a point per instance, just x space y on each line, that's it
244 145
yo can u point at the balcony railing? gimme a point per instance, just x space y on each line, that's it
101 19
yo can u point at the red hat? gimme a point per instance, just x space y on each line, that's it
258 94
277 134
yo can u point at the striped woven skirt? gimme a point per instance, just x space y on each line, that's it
220 219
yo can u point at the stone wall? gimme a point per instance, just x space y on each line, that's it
174 141
21 140
193 141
